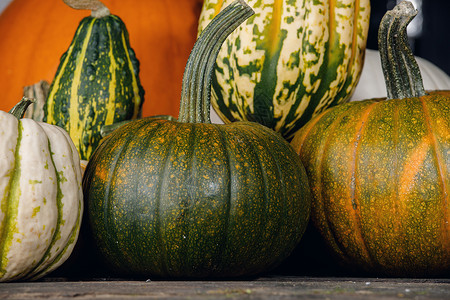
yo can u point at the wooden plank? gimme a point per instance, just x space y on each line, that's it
263 288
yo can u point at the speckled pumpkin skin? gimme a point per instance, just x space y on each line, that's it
379 172
190 200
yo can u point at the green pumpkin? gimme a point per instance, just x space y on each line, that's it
289 62
191 199
380 169
97 81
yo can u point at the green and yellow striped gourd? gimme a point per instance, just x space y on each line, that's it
290 61
97 82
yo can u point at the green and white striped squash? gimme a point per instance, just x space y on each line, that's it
290 61
41 197
97 82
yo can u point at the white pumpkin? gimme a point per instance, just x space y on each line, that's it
41 197
372 85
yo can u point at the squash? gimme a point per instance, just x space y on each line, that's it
42 199
97 81
162 33
191 199
289 62
380 169
371 83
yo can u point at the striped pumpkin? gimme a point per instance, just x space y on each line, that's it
290 61
380 169
41 197
97 82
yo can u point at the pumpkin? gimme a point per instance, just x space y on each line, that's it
97 81
161 32
371 83
289 62
42 199
379 169
191 199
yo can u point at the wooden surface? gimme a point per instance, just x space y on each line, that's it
262 288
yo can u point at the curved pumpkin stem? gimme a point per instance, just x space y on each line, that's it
98 9
196 89
400 69
20 108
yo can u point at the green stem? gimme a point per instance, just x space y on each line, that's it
196 89
20 108
400 69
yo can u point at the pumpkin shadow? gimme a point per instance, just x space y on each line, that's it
85 262
312 257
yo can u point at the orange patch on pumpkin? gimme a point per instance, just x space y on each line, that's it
416 159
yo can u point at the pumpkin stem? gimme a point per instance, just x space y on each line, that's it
196 90
38 92
20 108
400 69
97 8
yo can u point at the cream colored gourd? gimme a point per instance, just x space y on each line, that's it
371 83
40 194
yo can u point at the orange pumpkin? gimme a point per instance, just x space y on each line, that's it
35 33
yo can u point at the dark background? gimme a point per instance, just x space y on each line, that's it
430 39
